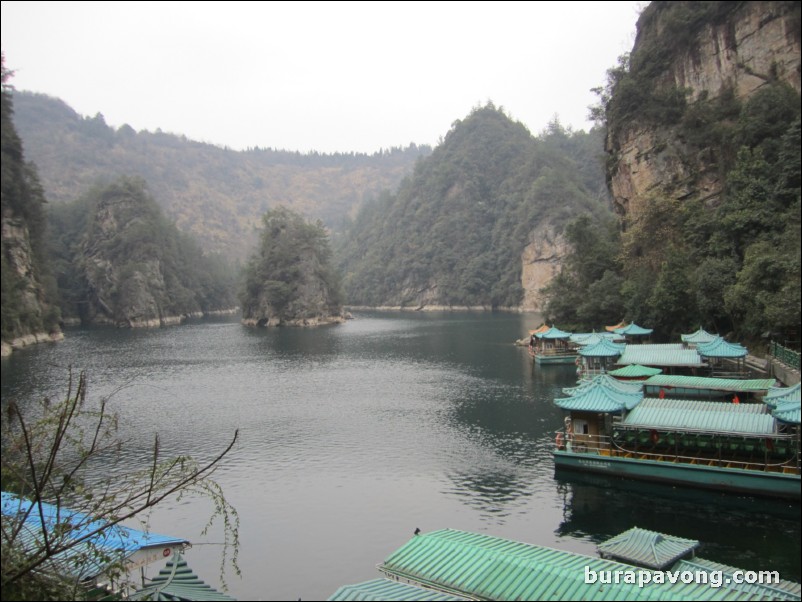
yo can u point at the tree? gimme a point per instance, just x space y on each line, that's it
65 455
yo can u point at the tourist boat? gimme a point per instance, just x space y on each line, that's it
551 346
612 429
637 564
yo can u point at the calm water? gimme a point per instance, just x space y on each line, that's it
352 436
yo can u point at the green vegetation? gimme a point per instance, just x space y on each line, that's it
290 278
733 264
454 232
28 289
114 245
216 194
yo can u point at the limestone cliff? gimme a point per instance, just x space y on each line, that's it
29 312
541 261
136 269
705 51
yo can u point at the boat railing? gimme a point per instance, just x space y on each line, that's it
555 351
604 445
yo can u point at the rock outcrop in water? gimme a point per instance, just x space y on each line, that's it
290 281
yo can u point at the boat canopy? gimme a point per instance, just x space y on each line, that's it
591 338
98 545
777 395
704 416
599 397
621 324
718 347
698 337
669 381
788 411
388 589
635 371
483 567
605 381
604 348
552 333
633 330
647 548
176 581
672 354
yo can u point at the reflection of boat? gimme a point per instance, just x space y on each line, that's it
725 446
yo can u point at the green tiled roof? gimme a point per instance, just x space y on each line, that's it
607 382
718 347
553 333
634 371
647 548
604 348
633 330
386 589
754 385
482 567
176 581
779 394
591 338
599 399
706 416
700 336
784 590
788 411
660 355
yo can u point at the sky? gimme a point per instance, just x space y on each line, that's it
316 76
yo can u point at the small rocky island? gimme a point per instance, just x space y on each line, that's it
289 281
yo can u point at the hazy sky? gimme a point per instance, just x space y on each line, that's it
328 76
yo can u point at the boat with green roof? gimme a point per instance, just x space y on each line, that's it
552 346
751 448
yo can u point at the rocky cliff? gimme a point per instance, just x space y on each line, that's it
289 281
29 312
541 261
136 269
698 54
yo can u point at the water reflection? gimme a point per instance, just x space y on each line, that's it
353 435
596 508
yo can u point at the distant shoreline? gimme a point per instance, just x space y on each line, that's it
454 308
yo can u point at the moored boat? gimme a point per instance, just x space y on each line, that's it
552 346
745 448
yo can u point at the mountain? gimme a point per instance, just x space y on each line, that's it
217 194
29 309
703 155
119 261
479 222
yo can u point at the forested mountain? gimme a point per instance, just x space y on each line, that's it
28 289
455 232
119 261
217 194
703 144
290 279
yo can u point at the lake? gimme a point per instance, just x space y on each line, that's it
353 436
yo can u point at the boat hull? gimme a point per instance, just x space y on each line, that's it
555 359
736 480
